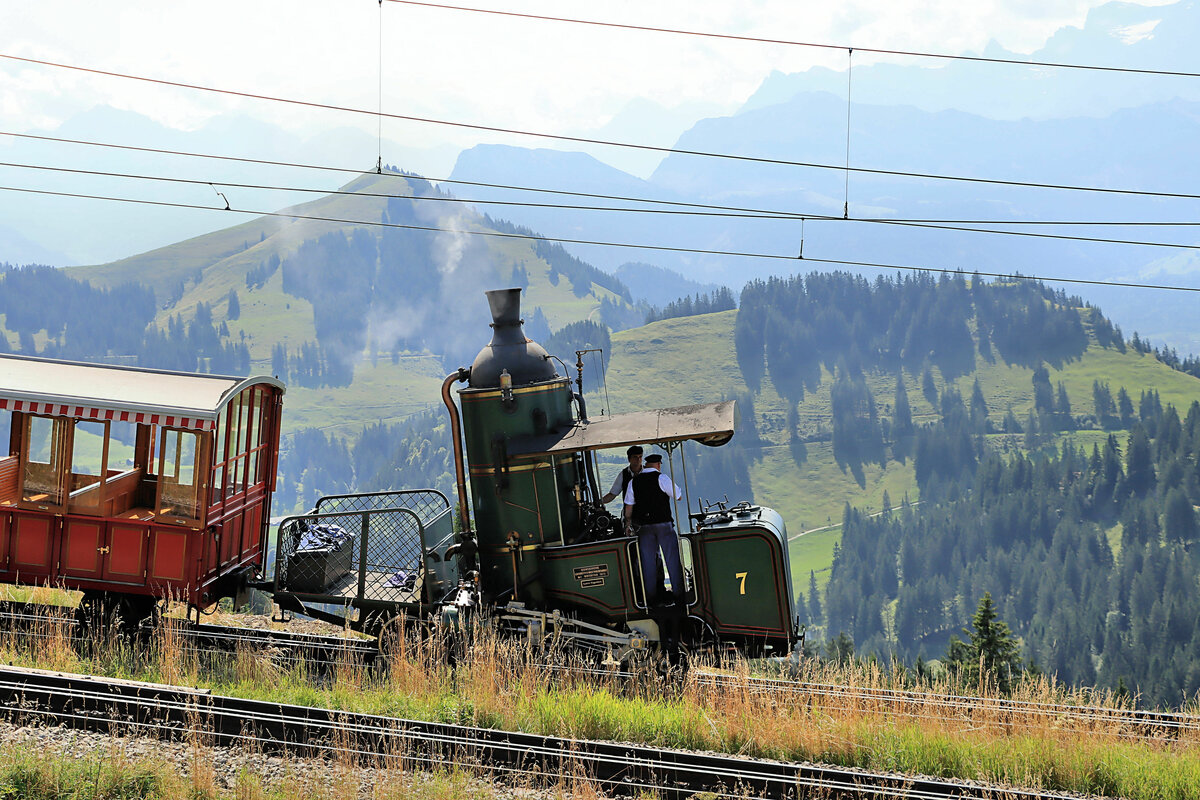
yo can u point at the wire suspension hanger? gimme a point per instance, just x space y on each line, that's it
849 76
379 116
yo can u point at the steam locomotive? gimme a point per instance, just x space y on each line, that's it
528 545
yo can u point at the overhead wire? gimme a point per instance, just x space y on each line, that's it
603 243
604 142
815 45
749 211
791 216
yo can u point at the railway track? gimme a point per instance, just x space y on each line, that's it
289 646
126 707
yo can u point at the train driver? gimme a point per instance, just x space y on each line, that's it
621 482
648 503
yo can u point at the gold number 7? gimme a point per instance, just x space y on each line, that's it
742 576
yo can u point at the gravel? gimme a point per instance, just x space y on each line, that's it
230 771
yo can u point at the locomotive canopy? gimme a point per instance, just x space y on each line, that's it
136 484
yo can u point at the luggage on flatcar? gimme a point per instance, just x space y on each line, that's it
324 555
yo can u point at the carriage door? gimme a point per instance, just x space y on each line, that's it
85 535
42 498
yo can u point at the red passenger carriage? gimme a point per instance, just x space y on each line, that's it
133 485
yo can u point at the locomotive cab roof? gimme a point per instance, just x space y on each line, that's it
105 391
709 423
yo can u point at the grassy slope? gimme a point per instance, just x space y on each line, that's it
692 360
380 390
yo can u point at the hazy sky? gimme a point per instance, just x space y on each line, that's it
454 65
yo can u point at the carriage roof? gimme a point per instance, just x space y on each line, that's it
709 423
105 391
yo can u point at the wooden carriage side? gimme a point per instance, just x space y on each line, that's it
135 482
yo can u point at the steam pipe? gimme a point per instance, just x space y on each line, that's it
579 401
590 476
460 473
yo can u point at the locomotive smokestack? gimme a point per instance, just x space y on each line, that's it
506 307
525 360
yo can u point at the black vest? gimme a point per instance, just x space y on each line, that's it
626 477
650 503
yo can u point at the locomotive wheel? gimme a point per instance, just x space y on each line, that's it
394 634
400 635
701 643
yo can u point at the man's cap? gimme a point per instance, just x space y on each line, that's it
636 450
654 458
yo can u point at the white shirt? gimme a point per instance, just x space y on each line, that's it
615 491
665 483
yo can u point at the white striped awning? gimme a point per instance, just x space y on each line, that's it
119 394
85 412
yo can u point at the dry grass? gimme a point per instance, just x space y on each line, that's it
505 683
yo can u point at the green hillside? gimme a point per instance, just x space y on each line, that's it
392 378
419 312
693 359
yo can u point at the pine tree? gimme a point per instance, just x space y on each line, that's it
1043 394
928 387
815 612
1139 464
1102 400
979 408
902 424
1124 407
841 649
991 654
235 307
1062 407
1179 519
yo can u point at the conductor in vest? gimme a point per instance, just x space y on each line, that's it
621 483
648 502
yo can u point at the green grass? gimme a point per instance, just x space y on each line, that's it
384 392
504 687
813 552
28 774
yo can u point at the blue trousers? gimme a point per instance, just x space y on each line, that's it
652 538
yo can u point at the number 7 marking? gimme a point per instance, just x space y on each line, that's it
742 576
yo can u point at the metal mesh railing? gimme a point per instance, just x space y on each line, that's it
374 555
425 503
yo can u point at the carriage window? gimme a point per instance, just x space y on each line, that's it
89 463
264 414
42 479
252 435
88 450
122 441
241 442
218 473
237 445
178 489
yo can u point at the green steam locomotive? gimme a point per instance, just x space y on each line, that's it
531 546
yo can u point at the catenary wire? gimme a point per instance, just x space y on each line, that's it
600 243
796 216
605 142
736 210
816 45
